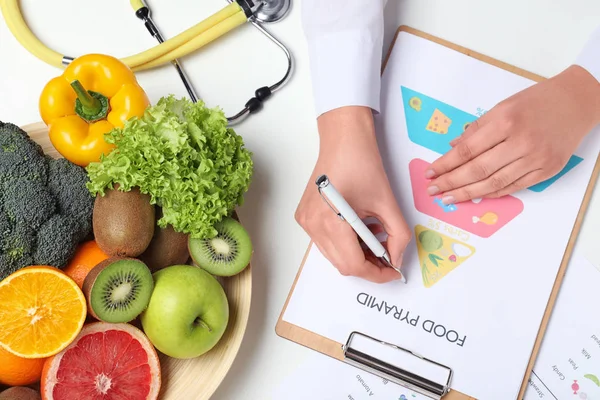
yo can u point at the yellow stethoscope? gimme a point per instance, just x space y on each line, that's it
169 51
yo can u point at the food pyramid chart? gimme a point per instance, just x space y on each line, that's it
434 124
439 254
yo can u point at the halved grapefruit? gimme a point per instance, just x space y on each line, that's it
106 361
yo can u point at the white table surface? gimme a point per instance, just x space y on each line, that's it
538 35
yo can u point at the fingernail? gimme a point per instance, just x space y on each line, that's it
429 174
448 200
433 190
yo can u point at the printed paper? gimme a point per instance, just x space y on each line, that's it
568 365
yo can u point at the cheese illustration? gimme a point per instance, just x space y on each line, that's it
439 254
439 123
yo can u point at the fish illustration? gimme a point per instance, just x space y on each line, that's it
445 207
575 386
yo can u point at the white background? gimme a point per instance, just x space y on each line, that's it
541 36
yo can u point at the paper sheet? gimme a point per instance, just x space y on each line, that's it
324 378
471 268
567 367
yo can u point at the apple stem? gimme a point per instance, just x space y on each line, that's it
203 324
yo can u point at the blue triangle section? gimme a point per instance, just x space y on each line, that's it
572 163
418 110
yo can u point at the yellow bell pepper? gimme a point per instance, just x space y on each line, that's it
95 94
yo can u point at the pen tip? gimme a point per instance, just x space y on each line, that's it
402 278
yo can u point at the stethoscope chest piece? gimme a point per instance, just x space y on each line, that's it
272 10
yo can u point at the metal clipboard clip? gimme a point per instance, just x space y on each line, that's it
394 373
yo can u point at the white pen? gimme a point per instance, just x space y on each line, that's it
345 212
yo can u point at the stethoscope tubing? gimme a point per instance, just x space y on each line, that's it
168 50
277 85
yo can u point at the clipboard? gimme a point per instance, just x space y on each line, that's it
356 355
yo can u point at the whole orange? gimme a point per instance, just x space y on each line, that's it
87 256
17 371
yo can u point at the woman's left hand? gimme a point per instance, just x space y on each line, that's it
523 140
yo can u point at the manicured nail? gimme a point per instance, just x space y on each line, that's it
433 190
448 200
429 174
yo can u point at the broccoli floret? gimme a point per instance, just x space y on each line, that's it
30 202
8 265
45 207
20 157
67 183
56 242
17 243
5 224
15 249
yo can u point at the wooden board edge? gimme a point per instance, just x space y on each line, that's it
324 345
466 51
561 273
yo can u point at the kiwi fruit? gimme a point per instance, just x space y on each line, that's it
118 289
226 254
168 247
123 222
20 393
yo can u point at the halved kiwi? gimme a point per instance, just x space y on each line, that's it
118 289
226 254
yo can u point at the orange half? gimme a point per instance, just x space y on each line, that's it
42 310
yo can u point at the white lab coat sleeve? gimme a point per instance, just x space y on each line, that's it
345 44
589 57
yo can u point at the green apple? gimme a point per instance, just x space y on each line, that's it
188 311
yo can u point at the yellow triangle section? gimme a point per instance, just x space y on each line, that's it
439 254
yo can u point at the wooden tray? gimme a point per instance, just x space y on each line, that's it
197 378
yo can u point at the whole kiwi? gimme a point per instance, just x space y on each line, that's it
168 247
123 222
20 393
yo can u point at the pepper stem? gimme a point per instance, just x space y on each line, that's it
90 106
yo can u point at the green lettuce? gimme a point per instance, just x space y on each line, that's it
184 156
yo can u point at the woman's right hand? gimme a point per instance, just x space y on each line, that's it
349 156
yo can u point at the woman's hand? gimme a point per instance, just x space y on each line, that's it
522 141
349 156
